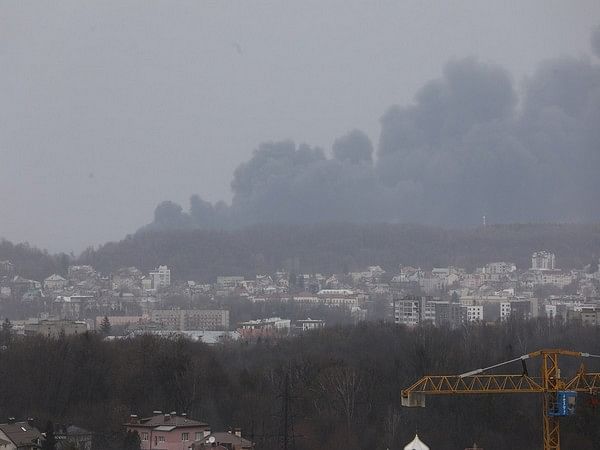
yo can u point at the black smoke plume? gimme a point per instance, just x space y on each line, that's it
468 146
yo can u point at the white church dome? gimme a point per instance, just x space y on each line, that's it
416 444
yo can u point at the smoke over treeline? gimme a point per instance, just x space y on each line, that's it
471 144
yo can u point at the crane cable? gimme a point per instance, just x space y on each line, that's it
520 358
478 371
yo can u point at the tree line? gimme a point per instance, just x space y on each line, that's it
329 248
336 388
339 248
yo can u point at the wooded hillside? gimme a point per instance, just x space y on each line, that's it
331 248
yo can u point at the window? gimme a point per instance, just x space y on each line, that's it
161 439
199 435
144 436
185 436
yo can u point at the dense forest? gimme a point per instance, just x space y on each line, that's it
334 248
341 386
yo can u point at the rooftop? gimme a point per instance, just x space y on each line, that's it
20 433
171 421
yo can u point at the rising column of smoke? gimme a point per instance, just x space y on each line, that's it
466 147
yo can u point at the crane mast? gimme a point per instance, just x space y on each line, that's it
558 393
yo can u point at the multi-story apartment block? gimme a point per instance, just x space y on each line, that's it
505 310
474 313
161 277
449 314
543 260
55 328
414 310
192 319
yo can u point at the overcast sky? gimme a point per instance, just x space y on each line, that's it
107 108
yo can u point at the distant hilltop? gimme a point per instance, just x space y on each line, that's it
335 248
330 248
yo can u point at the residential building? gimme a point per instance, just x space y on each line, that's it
497 271
121 320
226 282
192 319
6 268
55 283
474 313
72 307
524 308
19 436
161 277
587 315
20 286
448 314
271 327
227 440
306 297
310 324
55 328
339 297
543 260
407 311
433 283
505 310
78 274
167 431
206 337
72 437
414 310
146 283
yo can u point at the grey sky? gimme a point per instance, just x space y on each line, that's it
107 108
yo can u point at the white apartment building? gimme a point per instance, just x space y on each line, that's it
161 277
407 312
414 310
474 313
543 260
505 309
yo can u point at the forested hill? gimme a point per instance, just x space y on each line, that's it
204 254
31 262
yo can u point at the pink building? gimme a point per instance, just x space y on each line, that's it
167 431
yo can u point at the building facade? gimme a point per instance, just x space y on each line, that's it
167 431
543 260
55 328
19 436
161 277
192 319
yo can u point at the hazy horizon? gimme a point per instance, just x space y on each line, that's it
112 108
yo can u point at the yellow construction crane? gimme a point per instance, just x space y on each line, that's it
559 393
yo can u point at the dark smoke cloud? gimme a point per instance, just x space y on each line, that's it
468 146
596 41
355 147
